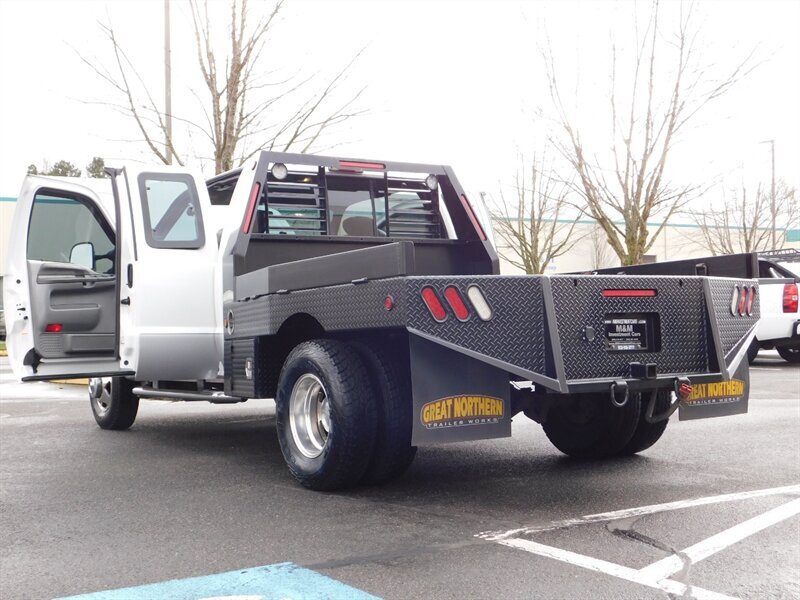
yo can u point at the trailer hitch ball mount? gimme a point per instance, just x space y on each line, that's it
681 385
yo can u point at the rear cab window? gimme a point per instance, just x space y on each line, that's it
171 209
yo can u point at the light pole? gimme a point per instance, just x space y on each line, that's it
167 85
772 194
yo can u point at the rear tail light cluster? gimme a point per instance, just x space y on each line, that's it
461 308
743 299
790 298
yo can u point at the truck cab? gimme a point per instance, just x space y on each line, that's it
113 284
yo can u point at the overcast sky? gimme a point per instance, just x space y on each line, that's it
448 82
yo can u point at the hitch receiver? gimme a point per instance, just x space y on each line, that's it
683 390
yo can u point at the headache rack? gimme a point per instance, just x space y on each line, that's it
332 201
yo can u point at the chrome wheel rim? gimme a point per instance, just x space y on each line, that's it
100 394
309 416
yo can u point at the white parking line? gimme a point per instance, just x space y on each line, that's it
672 564
657 574
609 568
639 511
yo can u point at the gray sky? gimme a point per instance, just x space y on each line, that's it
449 82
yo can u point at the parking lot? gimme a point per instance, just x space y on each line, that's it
194 490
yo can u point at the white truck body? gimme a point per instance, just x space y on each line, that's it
779 326
169 322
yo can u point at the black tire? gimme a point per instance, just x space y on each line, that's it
752 351
345 447
646 434
589 426
393 452
789 353
113 402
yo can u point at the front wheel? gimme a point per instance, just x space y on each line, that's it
790 353
326 415
590 426
113 402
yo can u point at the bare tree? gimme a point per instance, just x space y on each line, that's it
743 222
239 116
601 251
533 226
666 87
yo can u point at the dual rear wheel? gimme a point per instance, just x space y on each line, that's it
590 426
341 415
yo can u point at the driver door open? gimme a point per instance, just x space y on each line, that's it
62 283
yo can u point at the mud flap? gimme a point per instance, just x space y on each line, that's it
718 398
456 398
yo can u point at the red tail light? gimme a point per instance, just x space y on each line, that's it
251 207
790 298
742 299
434 304
355 164
751 299
456 302
475 223
54 328
629 293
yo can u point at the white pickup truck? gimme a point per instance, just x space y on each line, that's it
365 298
779 327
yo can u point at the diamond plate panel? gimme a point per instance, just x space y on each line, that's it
731 328
516 332
337 308
680 304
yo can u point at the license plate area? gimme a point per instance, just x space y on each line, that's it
632 332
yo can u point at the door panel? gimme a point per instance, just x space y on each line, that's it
78 302
174 326
61 315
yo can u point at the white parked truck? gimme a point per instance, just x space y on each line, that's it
779 326
365 298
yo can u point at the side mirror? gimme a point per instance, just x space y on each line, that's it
83 255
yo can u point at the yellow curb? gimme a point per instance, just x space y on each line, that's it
72 381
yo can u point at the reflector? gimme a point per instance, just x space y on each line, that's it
734 299
479 303
54 328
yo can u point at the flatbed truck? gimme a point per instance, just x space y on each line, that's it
365 298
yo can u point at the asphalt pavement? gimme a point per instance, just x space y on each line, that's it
192 490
